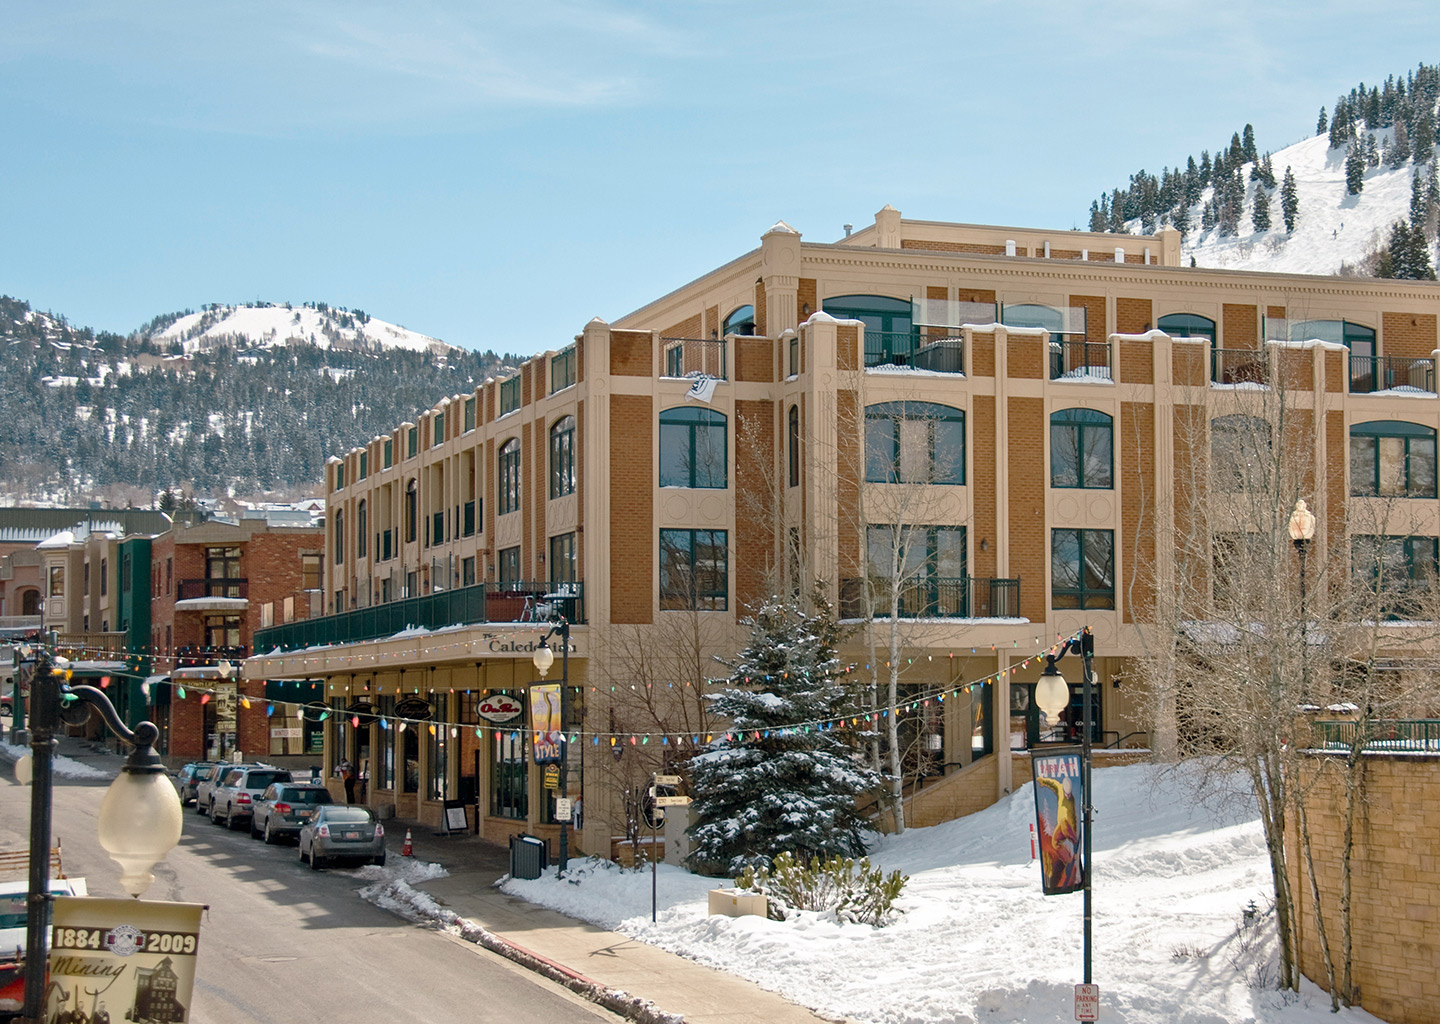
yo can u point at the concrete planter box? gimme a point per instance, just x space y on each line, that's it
737 903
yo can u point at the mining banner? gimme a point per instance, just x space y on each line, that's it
122 960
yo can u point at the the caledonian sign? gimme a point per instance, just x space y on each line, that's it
514 645
499 708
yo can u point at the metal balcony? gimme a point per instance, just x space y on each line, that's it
960 597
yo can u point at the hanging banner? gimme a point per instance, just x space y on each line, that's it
122 960
1058 798
545 722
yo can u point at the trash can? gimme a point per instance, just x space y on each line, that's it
529 856
314 773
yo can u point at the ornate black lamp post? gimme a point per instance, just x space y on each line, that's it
543 658
140 817
1052 693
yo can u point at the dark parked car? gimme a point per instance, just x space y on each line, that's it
284 807
188 779
232 800
342 832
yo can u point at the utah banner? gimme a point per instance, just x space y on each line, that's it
122 960
1058 799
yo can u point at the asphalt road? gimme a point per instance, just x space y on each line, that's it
281 944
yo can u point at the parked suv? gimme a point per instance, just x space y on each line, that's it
233 799
189 778
284 807
206 782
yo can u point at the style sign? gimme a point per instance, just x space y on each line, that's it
545 722
499 708
1058 797
122 959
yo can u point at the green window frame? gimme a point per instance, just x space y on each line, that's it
1082 449
469 414
890 332
414 442
438 422
694 570
563 558
562 370
1187 325
792 433
562 457
339 536
1392 458
509 559
741 322
362 543
509 476
1399 570
339 475
509 769
364 465
1082 569
694 448
389 452
914 443
509 394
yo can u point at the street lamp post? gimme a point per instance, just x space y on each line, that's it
1053 692
543 658
1302 531
139 822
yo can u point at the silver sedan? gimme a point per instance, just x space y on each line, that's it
342 832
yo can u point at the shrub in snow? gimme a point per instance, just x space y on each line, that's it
853 890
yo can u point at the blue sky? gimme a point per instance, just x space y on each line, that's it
496 175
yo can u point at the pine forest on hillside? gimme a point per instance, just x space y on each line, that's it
98 416
1241 191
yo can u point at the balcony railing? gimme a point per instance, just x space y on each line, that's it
1420 735
694 357
1386 373
961 597
232 586
91 646
1238 366
890 348
1077 360
943 355
201 656
520 601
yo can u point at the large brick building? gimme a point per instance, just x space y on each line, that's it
1009 401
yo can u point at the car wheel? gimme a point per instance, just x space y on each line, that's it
380 861
269 836
315 861
230 818
214 813
199 807
254 829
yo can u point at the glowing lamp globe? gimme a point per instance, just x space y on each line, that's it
543 658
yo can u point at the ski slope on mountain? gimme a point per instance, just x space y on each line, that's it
266 325
1333 227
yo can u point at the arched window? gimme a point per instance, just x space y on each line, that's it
1187 325
562 457
1392 458
30 602
741 322
1240 452
793 436
693 448
412 509
362 526
509 476
890 335
1081 449
914 443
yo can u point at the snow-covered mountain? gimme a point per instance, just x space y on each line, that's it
1332 227
264 325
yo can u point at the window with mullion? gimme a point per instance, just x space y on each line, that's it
1392 458
914 443
562 457
693 448
794 439
509 559
1082 449
562 558
1082 568
509 476
694 570
1399 570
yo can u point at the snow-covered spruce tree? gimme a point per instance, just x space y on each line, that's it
781 778
1289 199
1260 214
1355 169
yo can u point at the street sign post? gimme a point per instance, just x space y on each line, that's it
1087 1002
672 801
667 780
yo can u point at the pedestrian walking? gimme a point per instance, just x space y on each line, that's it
347 776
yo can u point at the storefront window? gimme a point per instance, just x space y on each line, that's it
509 782
383 777
437 763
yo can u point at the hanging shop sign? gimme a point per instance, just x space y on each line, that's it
545 722
1058 798
499 708
414 708
315 711
122 959
363 710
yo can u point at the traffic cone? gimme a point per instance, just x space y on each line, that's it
408 850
